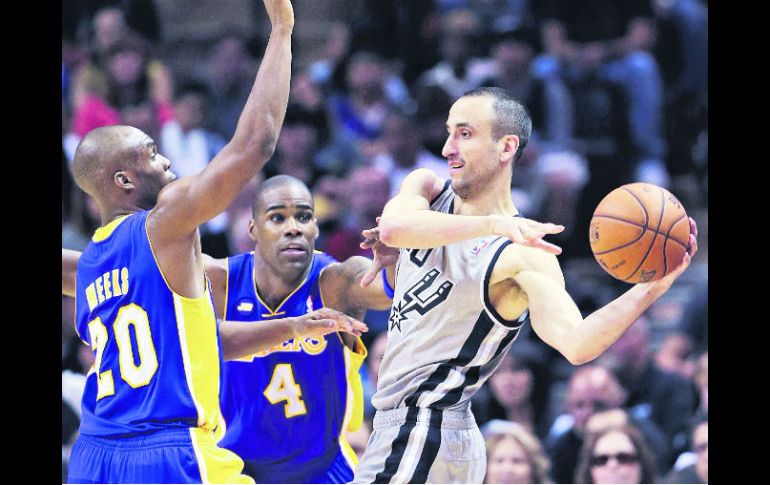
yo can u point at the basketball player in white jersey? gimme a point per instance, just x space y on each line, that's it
470 274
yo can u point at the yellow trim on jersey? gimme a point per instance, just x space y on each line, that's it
102 233
354 402
274 313
196 324
348 452
227 286
216 465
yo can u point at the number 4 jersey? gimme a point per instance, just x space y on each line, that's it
287 407
157 354
444 336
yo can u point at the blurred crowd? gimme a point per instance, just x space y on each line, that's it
618 93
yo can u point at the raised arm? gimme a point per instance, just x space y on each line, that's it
69 267
408 222
190 201
555 316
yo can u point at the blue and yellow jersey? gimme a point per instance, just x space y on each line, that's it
286 408
157 354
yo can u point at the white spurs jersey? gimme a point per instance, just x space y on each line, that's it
444 337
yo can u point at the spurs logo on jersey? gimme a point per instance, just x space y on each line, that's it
420 298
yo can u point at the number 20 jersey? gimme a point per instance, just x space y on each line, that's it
157 353
444 336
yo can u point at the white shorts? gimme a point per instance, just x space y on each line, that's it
423 445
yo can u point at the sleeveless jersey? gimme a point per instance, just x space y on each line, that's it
286 407
444 337
157 354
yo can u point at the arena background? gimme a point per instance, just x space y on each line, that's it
372 82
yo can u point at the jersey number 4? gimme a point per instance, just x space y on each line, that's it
136 375
283 387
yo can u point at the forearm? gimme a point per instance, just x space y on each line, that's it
558 322
260 122
606 325
418 229
240 339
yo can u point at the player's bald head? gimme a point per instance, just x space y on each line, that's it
278 182
101 153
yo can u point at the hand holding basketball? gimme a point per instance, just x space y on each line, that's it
640 233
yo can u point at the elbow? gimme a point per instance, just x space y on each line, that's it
576 357
388 231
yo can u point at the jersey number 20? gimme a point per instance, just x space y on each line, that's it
135 375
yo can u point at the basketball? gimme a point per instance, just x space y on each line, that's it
639 232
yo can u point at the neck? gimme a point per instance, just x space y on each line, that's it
494 199
109 214
273 287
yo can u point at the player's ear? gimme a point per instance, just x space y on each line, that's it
509 145
123 181
252 228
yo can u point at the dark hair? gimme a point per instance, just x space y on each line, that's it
646 458
274 181
511 116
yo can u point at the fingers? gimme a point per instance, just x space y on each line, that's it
371 273
547 247
692 247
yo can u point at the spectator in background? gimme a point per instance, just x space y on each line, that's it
697 471
616 455
297 147
515 455
231 69
675 355
512 392
664 397
120 73
433 103
610 40
358 114
547 98
401 30
186 140
591 388
366 191
460 69
701 379
405 152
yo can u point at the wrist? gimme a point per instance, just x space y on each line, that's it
295 323
493 227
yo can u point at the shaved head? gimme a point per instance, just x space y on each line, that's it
101 153
274 183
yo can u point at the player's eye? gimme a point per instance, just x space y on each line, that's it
305 217
276 217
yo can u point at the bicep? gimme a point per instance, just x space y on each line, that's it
552 311
416 191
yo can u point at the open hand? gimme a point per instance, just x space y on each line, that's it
527 232
325 321
384 256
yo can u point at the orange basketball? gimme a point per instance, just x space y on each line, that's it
639 233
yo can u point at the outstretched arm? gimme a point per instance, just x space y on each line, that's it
190 201
407 215
69 268
555 316
240 339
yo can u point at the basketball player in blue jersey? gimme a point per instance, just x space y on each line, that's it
464 289
143 301
286 409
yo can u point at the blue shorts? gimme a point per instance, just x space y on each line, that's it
339 470
183 455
